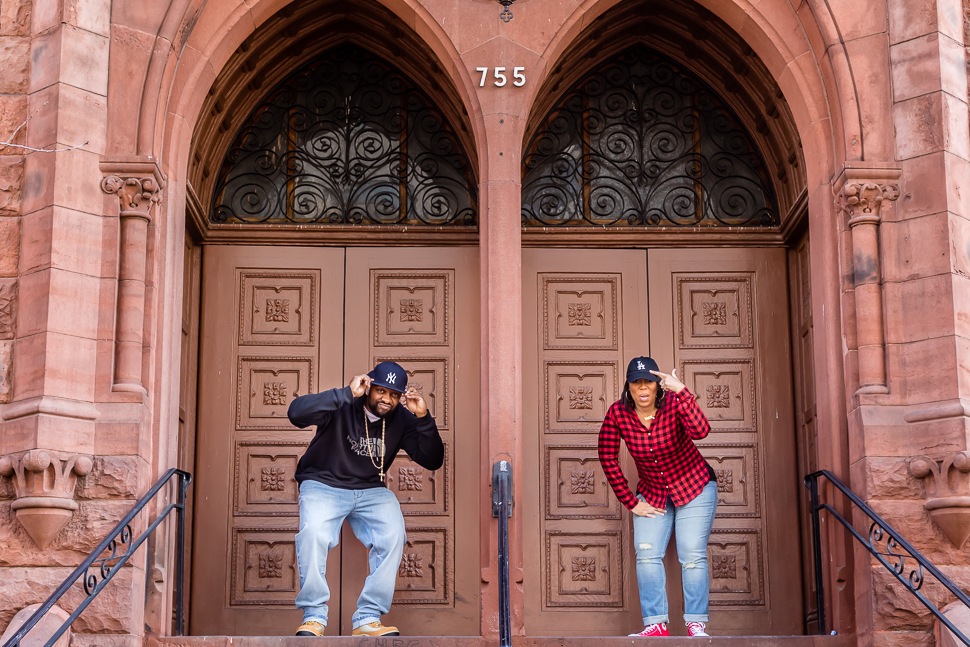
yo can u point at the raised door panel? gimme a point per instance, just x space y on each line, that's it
582 313
419 308
260 349
719 317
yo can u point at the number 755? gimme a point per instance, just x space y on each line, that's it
518 74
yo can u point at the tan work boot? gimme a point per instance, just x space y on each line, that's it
375 629
311 628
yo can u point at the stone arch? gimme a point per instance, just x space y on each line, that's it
815 84
209 39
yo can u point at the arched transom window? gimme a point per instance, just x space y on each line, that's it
347 139
641 141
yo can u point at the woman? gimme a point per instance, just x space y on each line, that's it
658 418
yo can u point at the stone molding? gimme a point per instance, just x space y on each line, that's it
947 492
44 482
138 182
860 192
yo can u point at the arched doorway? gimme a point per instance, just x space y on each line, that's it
657 223
345 153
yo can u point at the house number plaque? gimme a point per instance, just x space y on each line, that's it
501 79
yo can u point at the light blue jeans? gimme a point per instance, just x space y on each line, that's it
375 517
693 522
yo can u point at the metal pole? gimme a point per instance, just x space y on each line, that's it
502 508
812 483
183 485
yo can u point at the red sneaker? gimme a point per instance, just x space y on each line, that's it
659 629
696 629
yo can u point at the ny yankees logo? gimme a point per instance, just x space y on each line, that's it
640 366
391 378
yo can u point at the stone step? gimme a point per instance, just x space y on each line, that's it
472 641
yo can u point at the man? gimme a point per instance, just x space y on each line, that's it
360 429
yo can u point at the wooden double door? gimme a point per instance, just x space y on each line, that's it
720 316
280 322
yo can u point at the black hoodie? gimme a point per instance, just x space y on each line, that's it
339 455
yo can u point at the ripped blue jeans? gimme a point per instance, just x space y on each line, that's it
693 521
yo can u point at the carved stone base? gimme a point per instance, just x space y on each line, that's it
949 477
45 484
952 515
44 517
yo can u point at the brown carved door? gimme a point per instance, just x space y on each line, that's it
721 317
419 307
278 322
264 310
584 315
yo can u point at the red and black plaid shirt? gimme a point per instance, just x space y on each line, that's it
668 463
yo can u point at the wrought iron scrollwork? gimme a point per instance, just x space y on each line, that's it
892 559
641 141
106 564
347 139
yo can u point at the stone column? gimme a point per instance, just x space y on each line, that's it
138 187
860 193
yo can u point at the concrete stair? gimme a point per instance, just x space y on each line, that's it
461 641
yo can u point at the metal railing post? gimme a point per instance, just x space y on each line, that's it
502 508
106 558
886 545
812 483
183 486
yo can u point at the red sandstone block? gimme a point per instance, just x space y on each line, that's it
15 18
91 15
916 67
869 58
15 63
909 19
13 113
67 368
916 248
919 128
9 246
919 309
858 19
922 188
11 185
924 371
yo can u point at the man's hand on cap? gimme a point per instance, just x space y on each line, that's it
359 385
415 403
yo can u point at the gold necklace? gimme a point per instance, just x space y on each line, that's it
370 453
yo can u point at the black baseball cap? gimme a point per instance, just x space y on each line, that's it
639 369
390 375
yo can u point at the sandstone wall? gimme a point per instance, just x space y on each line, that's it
14 61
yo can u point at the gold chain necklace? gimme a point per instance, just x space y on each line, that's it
370 452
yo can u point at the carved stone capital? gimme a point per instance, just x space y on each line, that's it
137 181
860 192
137 195
947 493
44 482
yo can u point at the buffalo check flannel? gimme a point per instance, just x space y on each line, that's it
668 463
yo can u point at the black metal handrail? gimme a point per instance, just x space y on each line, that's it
502 508
110 565
890 557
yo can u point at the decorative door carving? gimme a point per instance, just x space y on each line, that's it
260 348
419 308
720 317
582 315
